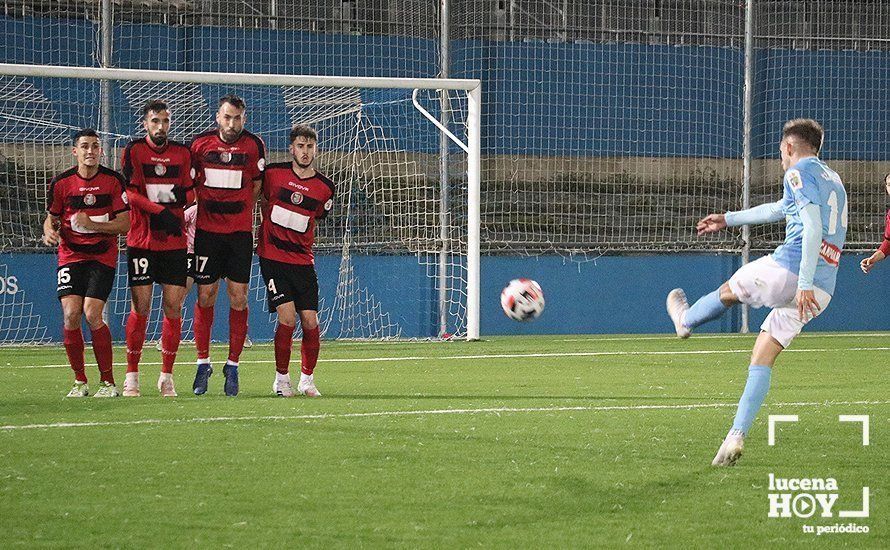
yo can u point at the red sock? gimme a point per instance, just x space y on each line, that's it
103 352
284 341
309 350
237 332
135 339
74 349
171 333
203 324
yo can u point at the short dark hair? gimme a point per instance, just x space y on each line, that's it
85 132
155 105
232 100
807 129
303 130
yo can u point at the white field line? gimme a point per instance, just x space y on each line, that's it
493 410
556 338
499 356
594 338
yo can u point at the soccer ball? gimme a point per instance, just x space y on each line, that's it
522 300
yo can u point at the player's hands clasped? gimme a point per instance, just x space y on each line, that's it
807 306
711 223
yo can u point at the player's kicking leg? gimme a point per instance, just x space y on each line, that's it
707 308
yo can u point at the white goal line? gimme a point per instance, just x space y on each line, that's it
487 410
496 356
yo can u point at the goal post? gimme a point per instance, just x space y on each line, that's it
374 137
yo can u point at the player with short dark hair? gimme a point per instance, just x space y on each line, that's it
229 163
158 172
797 280
295 195
87 209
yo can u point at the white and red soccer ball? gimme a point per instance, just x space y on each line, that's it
522 300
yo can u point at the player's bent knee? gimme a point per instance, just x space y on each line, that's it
727 296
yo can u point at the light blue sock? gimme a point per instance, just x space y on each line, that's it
752 398
707 307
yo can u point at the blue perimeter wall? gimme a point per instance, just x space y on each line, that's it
539 98
613 294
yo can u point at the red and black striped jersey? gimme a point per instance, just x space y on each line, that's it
224 175
292 206
102 197
163 176
885 245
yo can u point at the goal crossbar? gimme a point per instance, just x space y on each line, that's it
472 87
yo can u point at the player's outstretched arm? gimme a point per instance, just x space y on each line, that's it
51 235
711 223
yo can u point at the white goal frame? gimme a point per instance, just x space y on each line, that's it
472 87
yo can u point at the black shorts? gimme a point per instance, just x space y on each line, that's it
88 279
290 283
222 255
165 267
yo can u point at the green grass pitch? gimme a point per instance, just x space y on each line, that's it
510 442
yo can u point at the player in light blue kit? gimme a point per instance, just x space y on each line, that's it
796 280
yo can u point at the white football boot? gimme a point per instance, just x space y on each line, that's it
730 451
307 386
282 386
80 389
107 389
677 306
165 385
131 385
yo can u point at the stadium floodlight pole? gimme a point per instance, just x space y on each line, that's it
746 141
473 88
444 223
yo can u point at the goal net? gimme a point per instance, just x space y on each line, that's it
394 258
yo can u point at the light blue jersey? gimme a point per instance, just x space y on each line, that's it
811 181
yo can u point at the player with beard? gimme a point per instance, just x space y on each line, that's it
295 195
159 178
229 163
87 211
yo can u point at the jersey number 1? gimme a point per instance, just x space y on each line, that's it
832 216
